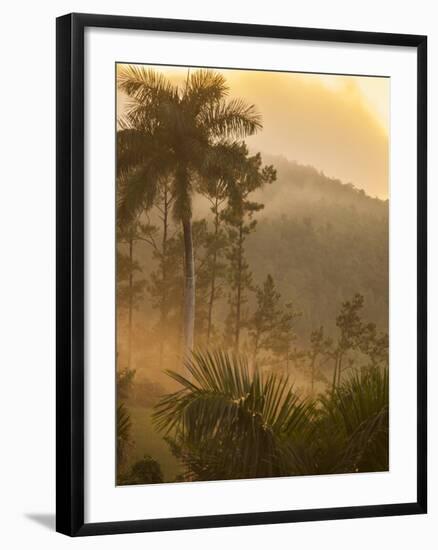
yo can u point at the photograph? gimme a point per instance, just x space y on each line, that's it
252 287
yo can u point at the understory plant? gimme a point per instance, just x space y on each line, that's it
226 422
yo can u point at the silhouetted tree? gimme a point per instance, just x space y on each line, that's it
239 217
220 178
374 345
129 291
283 336
147 470
166 279
265 318
174 129
271 328
350 328
319 347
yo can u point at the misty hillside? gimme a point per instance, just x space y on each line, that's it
298 182
322 240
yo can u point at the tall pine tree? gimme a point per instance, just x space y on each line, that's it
240 222
272 327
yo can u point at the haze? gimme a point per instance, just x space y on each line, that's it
338 124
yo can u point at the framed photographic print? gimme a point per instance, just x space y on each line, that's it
241 274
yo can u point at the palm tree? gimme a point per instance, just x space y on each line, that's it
350 430
171 130
225 423
358 413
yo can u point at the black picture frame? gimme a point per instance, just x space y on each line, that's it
70 273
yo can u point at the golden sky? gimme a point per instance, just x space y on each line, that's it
338 124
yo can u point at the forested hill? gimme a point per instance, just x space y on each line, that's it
322 241
305 183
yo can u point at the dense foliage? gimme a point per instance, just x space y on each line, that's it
226 423
144 471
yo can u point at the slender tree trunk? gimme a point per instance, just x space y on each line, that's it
213 275
239 292
211 300
163 305
312 375
339 371
335 374
180 336
130 304
255 351
189 287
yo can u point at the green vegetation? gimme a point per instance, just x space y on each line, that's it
144 471
228 424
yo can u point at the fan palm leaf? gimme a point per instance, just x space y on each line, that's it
204 87
231 118
229 422
123 432
353 425
144 85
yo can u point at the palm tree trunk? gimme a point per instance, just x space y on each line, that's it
189 287
211 300
163 305
239 292
213 275
130 305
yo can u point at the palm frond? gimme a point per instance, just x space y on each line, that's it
142 163
151 97
234 118
144 84
205 87
361 396
358 414
136 192
123 432
229 421
133 149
